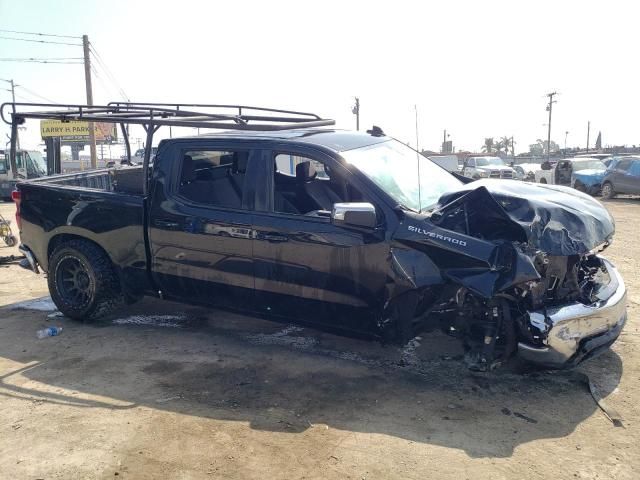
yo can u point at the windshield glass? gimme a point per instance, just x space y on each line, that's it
483 162
589 165
394 167
38 162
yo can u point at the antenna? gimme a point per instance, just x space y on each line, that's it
418 159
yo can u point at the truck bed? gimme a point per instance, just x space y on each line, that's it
104 206
123 180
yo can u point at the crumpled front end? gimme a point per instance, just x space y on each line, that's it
522 273
562 336
589 181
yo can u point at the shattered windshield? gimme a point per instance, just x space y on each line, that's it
411 179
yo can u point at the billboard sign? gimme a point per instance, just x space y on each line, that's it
75 131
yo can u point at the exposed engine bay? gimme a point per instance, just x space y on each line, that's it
503 255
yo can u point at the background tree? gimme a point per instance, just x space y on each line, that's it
488 146
506 142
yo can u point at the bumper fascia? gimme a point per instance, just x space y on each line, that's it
575 332
31 263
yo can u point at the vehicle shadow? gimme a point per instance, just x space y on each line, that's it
291 379
623 200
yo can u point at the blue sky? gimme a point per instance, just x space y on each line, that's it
477 69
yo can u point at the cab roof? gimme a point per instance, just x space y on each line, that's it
333 139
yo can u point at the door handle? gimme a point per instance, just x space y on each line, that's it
275 238
166 224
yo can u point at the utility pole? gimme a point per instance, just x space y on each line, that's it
588 131
550 108
356 111
13 99
566 134
87 79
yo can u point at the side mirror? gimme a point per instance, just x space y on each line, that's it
358 215
545 166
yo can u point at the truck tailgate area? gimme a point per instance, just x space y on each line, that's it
90 206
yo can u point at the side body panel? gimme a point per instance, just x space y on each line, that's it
112 220
198 252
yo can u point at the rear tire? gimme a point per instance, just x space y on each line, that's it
607 190
543 180
82 281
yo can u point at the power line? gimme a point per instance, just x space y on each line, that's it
40 41
40 61
34 94
39 34
39 58
103 66
107 90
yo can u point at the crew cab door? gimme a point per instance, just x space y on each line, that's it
633 177
200 223
304 265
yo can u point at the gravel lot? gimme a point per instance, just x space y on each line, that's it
173 391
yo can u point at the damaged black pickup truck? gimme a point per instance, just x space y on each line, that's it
352 231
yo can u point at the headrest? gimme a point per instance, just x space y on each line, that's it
240 161
305 171
188 169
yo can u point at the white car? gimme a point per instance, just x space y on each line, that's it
487 167
561 172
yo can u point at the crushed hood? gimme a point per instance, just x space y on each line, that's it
473 233
554 219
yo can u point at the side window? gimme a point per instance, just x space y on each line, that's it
305 186
19 162
213 177
471 163
623 165
635 168
3 163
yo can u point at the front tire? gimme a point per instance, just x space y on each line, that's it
607 190
82 281
580 186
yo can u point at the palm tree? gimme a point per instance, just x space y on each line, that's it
488 145
507 141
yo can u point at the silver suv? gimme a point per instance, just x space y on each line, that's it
487 167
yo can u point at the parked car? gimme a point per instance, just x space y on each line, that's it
487 167
562 173
384 244
623 176
529 170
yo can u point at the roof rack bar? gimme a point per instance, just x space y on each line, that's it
212 105
159 114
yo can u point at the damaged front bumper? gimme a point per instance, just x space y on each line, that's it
573 332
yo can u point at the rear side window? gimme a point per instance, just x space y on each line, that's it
214 177
623 165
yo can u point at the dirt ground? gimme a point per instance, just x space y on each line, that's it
162 390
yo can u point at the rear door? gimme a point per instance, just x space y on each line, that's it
618 177
304 265
200 223
633 177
